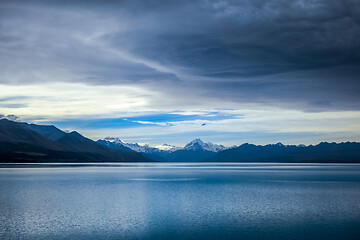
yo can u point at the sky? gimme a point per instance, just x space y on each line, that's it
167 71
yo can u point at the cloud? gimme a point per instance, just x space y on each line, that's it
229 130
56 44
148 62
250 51
53 101
9 117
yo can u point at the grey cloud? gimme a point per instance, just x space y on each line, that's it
252 38
311 91
52 44
289 53
13 105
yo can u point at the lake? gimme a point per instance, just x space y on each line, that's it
180 201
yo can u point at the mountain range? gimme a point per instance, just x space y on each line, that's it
23 142
194 151
199 151
324 152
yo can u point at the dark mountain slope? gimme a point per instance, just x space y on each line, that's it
323 152
13 132
191 155
48 131
76 142
22 142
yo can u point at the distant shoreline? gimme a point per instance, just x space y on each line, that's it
170 164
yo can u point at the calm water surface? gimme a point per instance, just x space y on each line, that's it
180 201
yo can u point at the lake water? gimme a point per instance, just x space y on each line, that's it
180 201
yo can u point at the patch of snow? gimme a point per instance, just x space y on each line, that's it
198 144
167 147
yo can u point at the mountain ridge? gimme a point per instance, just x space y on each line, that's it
196 150
199 151
23 142
345 152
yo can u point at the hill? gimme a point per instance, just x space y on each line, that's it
348 152
23 142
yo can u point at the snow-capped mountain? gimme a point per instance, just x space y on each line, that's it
195 144
198 144
158 153
133 146
196 150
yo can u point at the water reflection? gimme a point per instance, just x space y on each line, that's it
181 201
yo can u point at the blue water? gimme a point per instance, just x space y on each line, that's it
180 201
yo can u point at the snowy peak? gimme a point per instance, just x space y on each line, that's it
139 148
279 144
197 144
114 140
133 146
167 147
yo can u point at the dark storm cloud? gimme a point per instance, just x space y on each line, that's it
248 38
312 91
287 53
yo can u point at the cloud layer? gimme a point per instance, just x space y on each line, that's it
117 59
